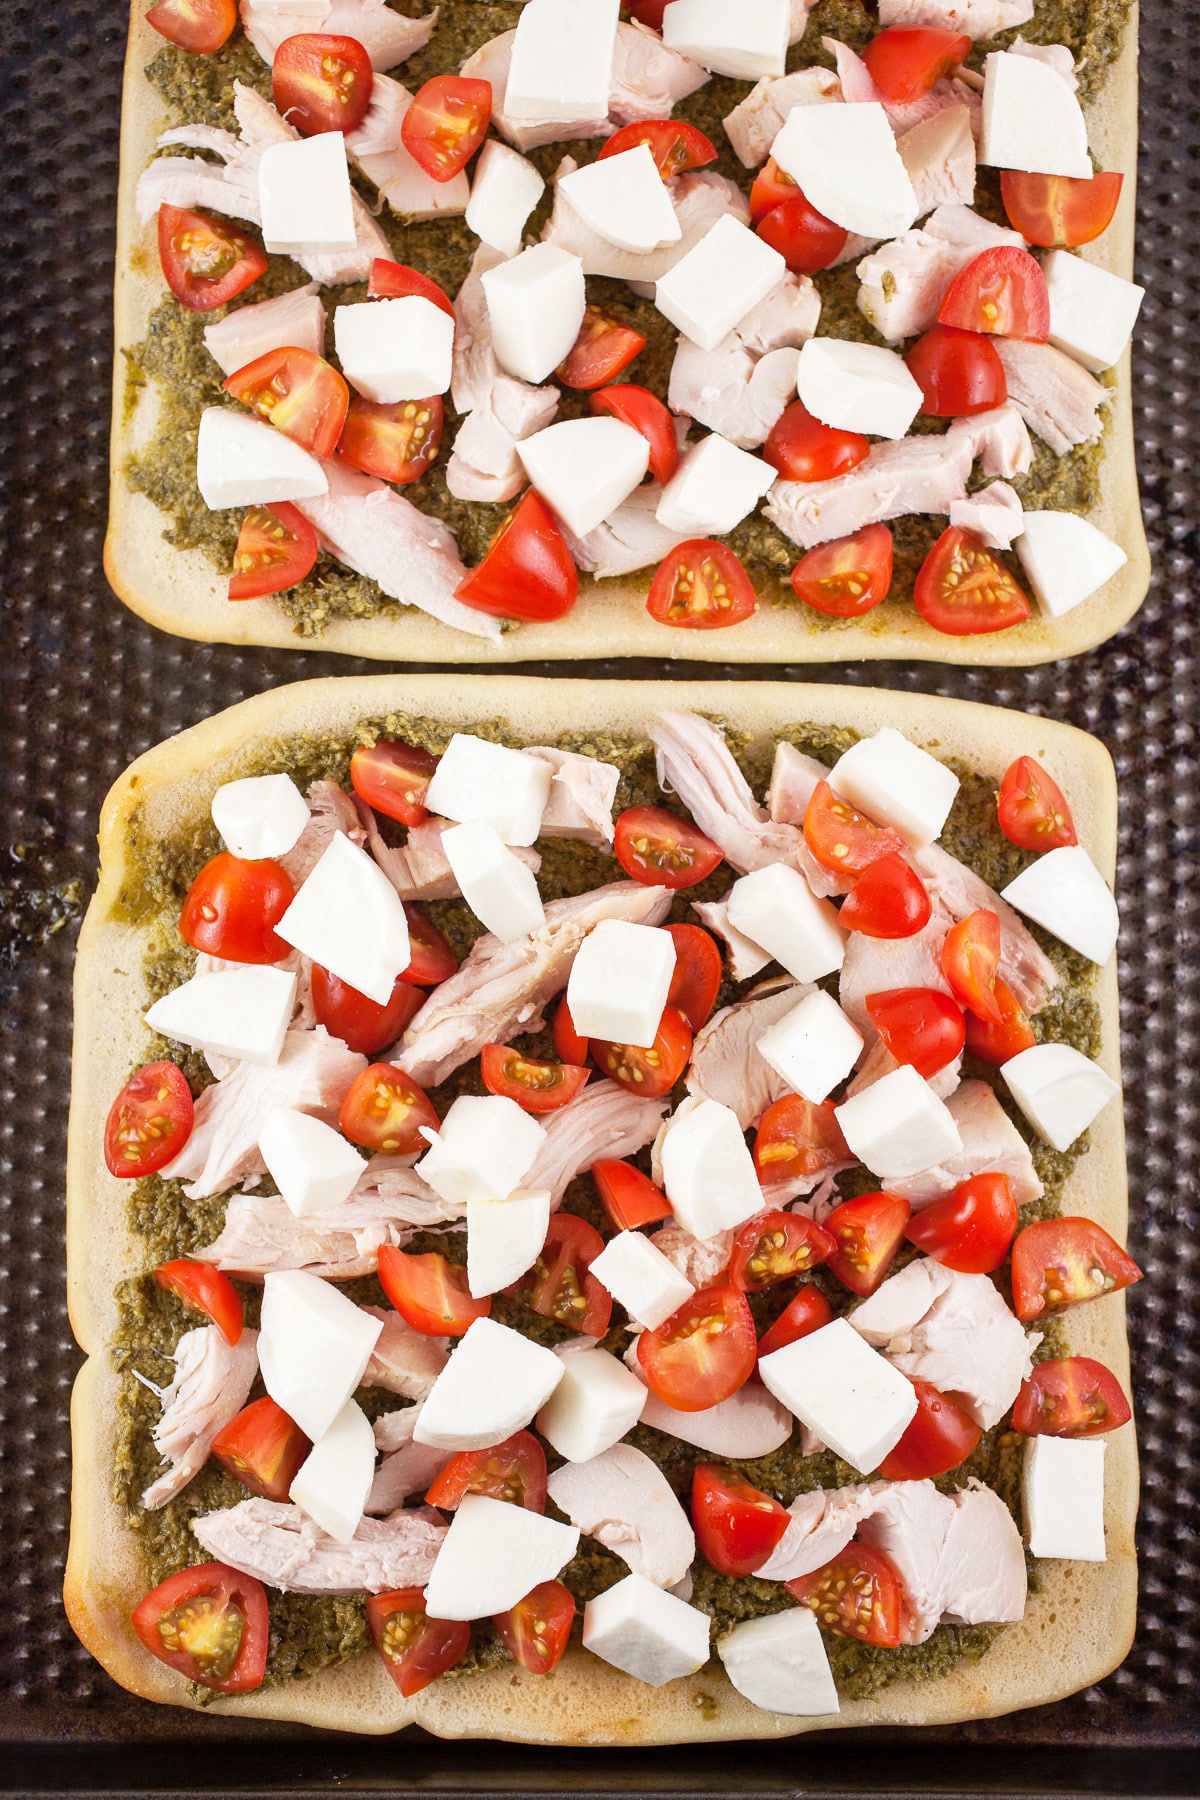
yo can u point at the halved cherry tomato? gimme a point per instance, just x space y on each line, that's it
430 1292
210 1623
737 1525
630 1198
650 1072
276 548
772 186
921 1026
674 145
848 576
263 1448
797 1137
383 1112
571 1046
528 572
906 60
322 82
971 961
1057 1263
857 1595
361 1023
868 1231
702 1353
889 900
537 1087
514 1471
149 1122
206 261
958 372
299 393
1074 1397
939 1437
963 589
775 1246
994 1044
233 906
696 981
659 848
201 26
392 776
648 12
395 442
415 1648
702 586
1053 210
396 281
841 839
446 123
603 348
805 238
559 1286
638 407
1002 291
205 1290
431 960
805 1312
806 449
969 1229
536 1631
1032 808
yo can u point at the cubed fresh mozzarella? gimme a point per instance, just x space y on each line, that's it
779 1663
584 468
504 192
896 783
349 918
233 1012
713 287
313 1347
813 1047
597 1401
242 461
744 38
304 196
714 488
394 350
708 1172
1066 558
499 888
1031 118
847 1393
562 60
260 815
1062 1495
1092 311
334 1480
845 160
1059 1090
492 1386
619 982
310 1163
625 200
1065 891
535 308
492 1556
504 1237
776 909
857 387
649 1634
898 1126
503 787
486 1144
641 1279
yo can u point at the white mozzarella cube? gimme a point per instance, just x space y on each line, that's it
492 1556
625 200
857 387
535 308
310 1163
776 909
813 1047
486 1144
562 60
619 982
1059 1090
713 287
241 461
394 350
504 192
313 1347
597 1401
845 160
898 1126
714 488
744 38
584 468
779 1663
334 1480
492 1386
847 1393
234 1012
1092 311
304 196
504 1238
1066 558
708 1172
349 918
1065 891
1031 119
499 888
503 787
641 1279
896 783
644 1631
1062 1496
261 815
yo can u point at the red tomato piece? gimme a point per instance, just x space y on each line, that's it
149 1122
963 589
432 959
263 1448
201 26
233 906
737 1525
630 1198
797 1137
806 449
660 849
843 840
774 1246
559 1286
648 12
921 1026
906 60
971 961
1032 808
889 900
1052 210
415 1648
205 1290
446 123
994 1044
847 577
649 1072
383 1111
805 238
674 145
867 1232
514 1471
571 1046
958 372
299 393
772 186
537 1087
698 970
1002 291
395 442
430 1292
638 407
209 1623
857 1595
701 586
206 261
939 1437
528 572
537 1630
1073 1397
276 548
1057 1263
969 1229
702 1353
806 1311
396 281
361 1023
322 82
603 348
392 777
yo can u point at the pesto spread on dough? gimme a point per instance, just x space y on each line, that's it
173 356
311 1632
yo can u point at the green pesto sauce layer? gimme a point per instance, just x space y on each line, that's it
172 354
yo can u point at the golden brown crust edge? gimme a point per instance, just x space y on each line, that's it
180 592
1079 1625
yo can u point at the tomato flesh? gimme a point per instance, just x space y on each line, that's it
322 82
803 448
696 981
209 1623
299 393
559 1286
702 1353
737 1526
537 1630
528 572
841 839
857 1595
1058 1263
969 1229
867 1232
362 1023
603 348
233 907
263 1448
201 26
963 589
804 237
396 442
431 958
674 145
537 1087
638 407
921 1026
939 1437
1032 808
430 1292
1073 1397
397 281
889 900
798 1137
149 1122
1054 210
650 1072
1002 291
995 1043
701 586
206 261
446 123
384 1110
906 60
571 1046
771 187
514 1471
392 777
276 548
847 577
630 1198
774 1246
415 1648
958 372
970 962
805 1312
660 849
205 1290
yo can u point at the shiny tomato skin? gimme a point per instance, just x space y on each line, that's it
843 840
775 1246
528 572
648 12
703 1353
396 281
696 981
797 1137
674 145
1032 808
868 1231
361 1023
630 1198
848 577
514 1470
921 1026
1073 1397
537 1087
392 777
963 589
970 961
206 261
396 442
571 1046
701 586
650 1072
206 1290
659 849
322 82
1060 210
200 26
939 1437
430 1292
994 1044
1058 1263
889 900
805 238
857 1595
415 1648
559 1285
383 1111
737 1526
638 407
149 1122
805 1312
263 1448
958 372
803 448
299 393
1002 291
772 186
276 548
537 1630
431 958
906 60
604 347
969 1229
446 123
233 906
198 1601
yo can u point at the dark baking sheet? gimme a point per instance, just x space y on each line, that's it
86 686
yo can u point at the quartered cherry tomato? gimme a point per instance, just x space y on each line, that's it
805 1312
701 586
559 1286
362 1023
206 261
149 1122
806 449
604 347
969 1229
446 123
772 186
299 393
1057 1263
210 1623
396 281
696 980
906 60
430 1292
397 441
383 1112
276 548
702 1353
528 572
649 1072
415 1648
392 776
638 407
630 1198
921 1026
841 839
263 1448
857 1595
971 961
431 960
867 1232
571 1046
233 906
804 237
205 1290
939 1437
674 145
737 1526
1002 291
659 848
514 1471
1052 210
1032 808
322 82
537 1630
889 900
775 1246
958 372
963 589
201 26
994 1044
537 1087
797 1137
847 577
1074 1397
